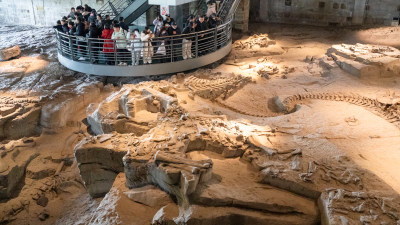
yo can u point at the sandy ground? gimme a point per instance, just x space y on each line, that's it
371 142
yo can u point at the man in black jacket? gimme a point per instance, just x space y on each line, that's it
58 26
122 24
107 20
168 20
202 25
71 31
95 44
100 23
71 28
174 30
190 19
80 27
93 31
187 40
64 25
80 33
213 21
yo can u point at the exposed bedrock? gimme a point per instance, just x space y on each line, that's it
339 206
14 159
8 53
58 111
131 110
204 169
150 205
131 206
160 157
100 160
367 60
19 118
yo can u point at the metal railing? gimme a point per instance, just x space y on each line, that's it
157 50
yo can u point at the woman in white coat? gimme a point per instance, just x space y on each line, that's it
135 46
148 51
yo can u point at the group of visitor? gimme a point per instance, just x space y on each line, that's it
165 40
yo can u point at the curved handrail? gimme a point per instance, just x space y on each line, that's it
157 50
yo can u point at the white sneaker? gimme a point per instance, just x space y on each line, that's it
82 58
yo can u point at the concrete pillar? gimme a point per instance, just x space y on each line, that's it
241 20
152 14
359 12
176 13
192 6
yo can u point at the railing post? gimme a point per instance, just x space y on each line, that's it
115 52
59 48
197 45
172 49
216 39
89 44
71 47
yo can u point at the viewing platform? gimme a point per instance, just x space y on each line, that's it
86 55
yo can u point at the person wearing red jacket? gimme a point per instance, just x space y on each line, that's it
108 46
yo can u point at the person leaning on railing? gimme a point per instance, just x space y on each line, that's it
108 46
135 46
58 27
65 28
174 30
80 36
163 45
202 25
119 35
72 28
95 34
213 21
187 40
148 51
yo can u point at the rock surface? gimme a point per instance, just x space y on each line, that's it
15 158
207 147
8 53
100 160
367 60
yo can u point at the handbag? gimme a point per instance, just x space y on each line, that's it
80 38
161 49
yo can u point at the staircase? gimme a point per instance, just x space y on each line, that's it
129 9
227 9
199 7
133 9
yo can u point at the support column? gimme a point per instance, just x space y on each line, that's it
241 20
359 12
